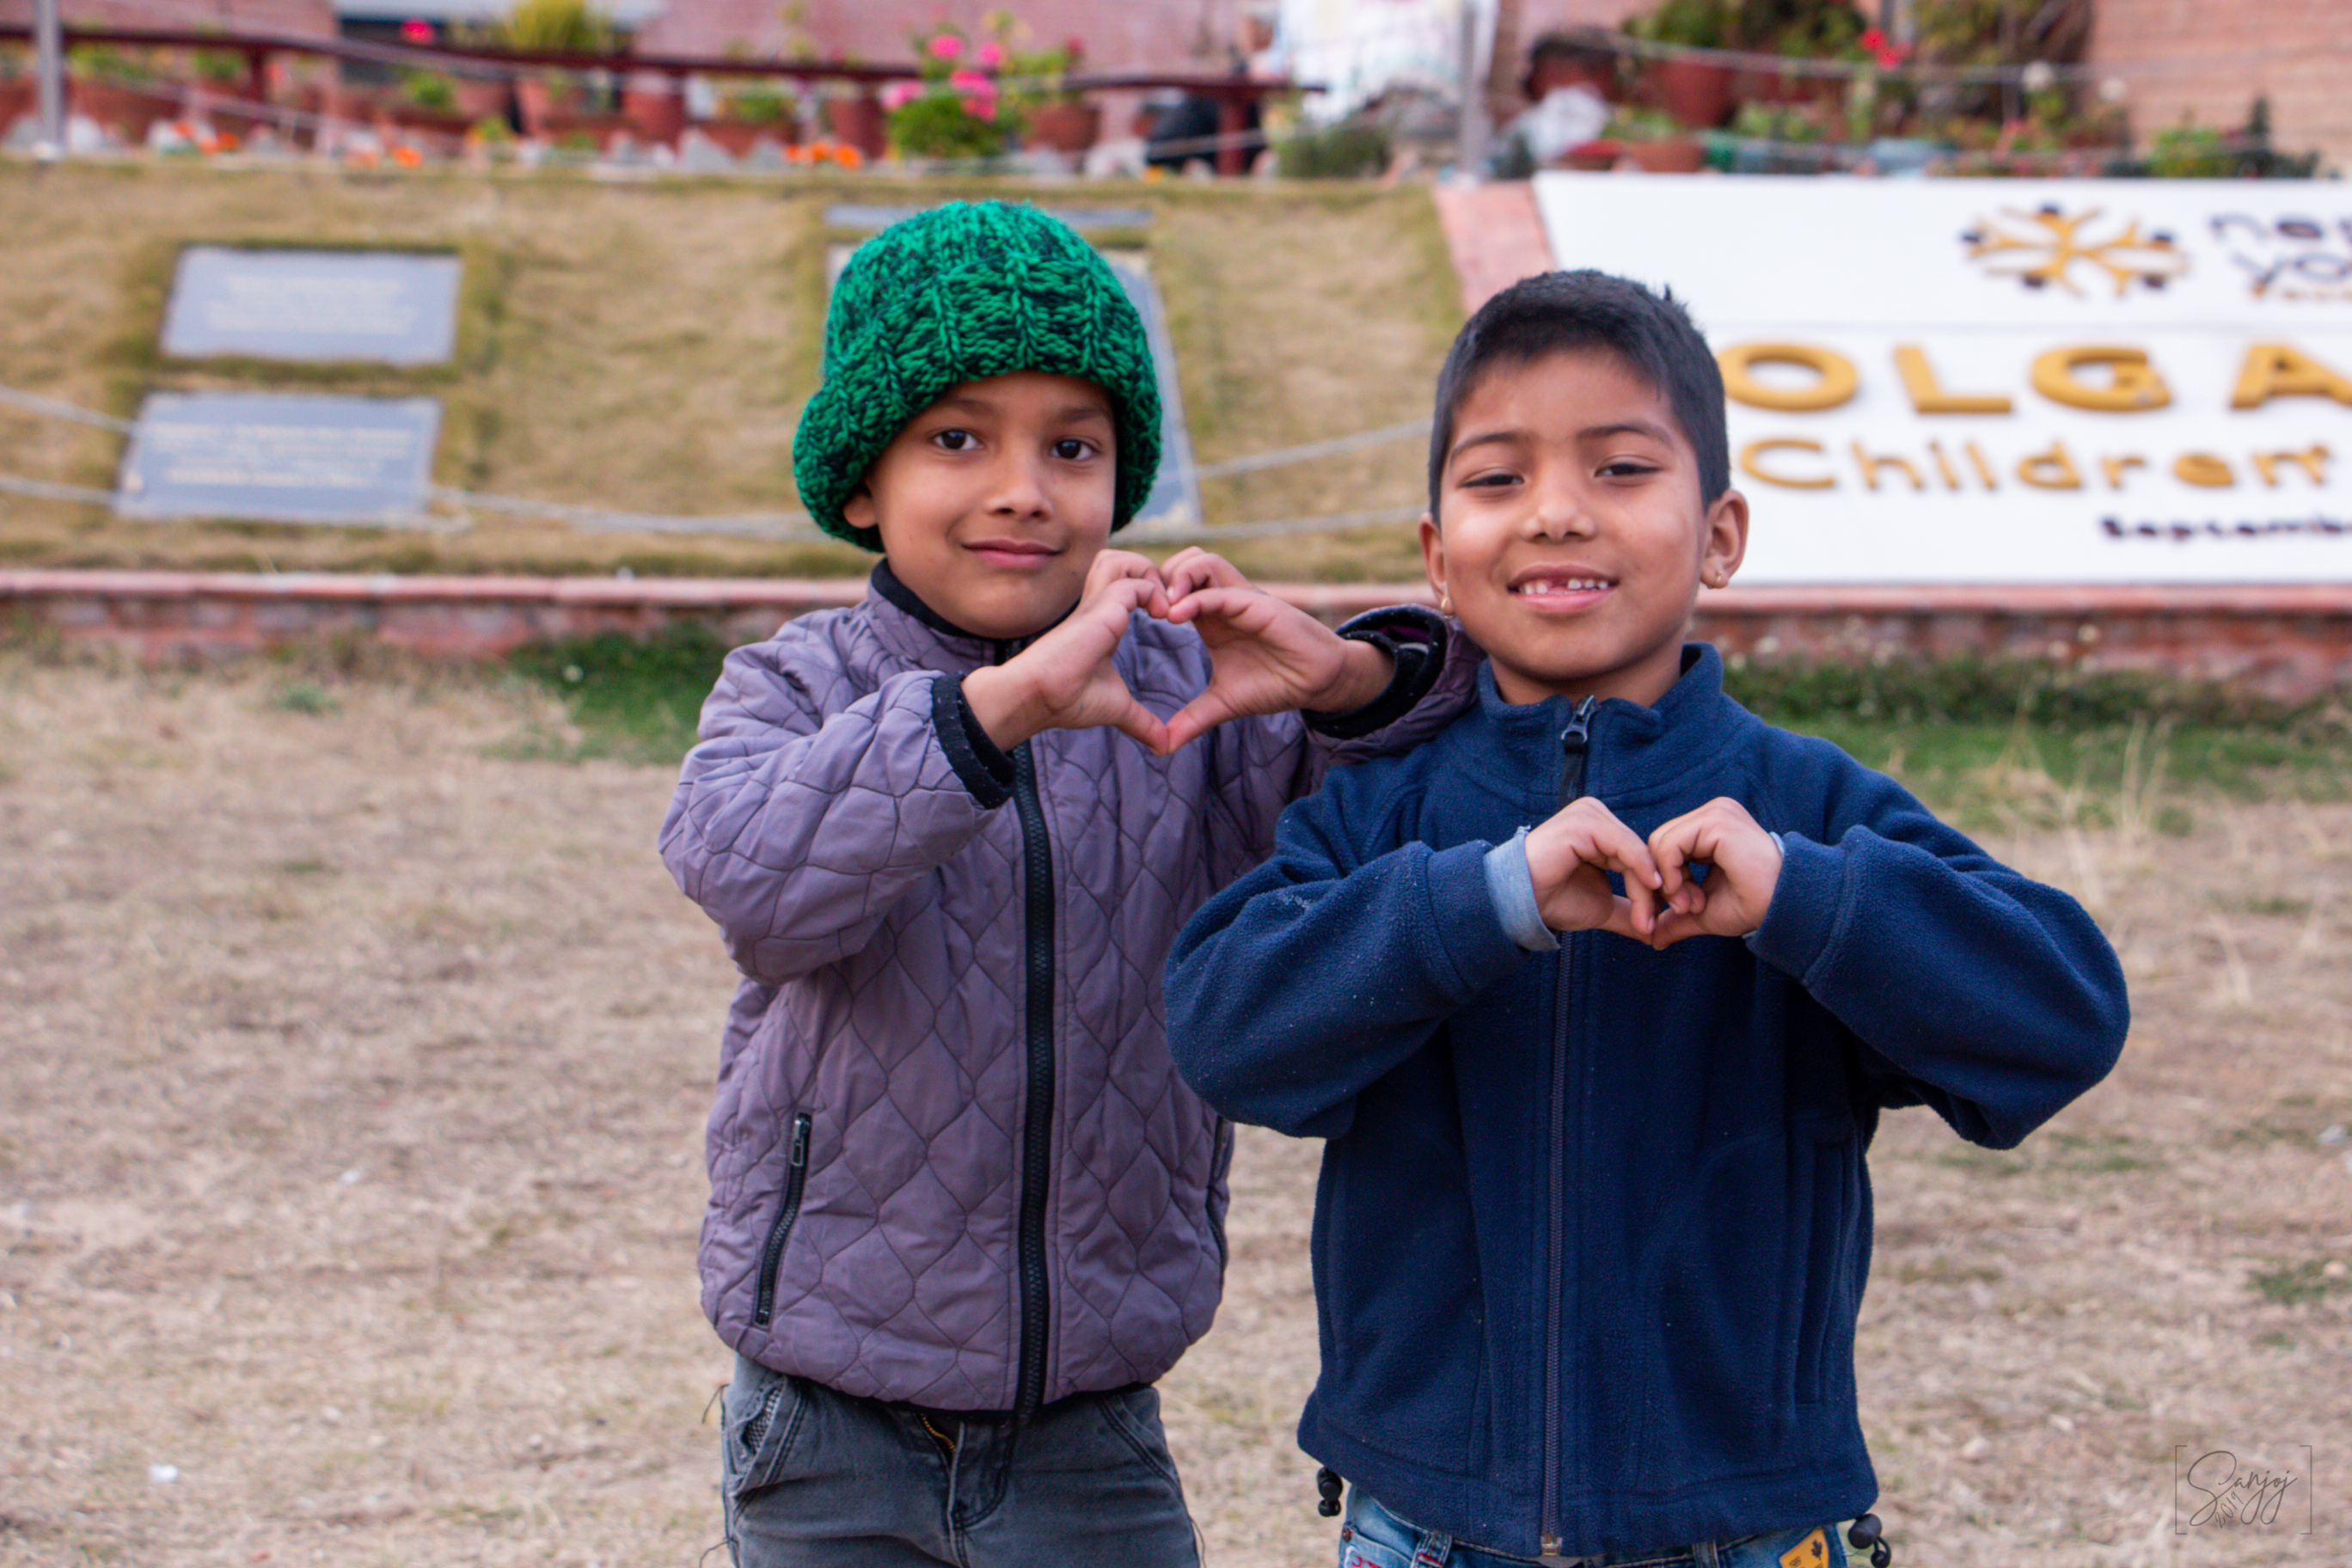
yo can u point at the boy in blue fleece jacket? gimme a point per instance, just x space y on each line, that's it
1597 998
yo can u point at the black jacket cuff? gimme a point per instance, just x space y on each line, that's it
978 760
1412 635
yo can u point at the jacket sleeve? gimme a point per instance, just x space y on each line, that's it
1266 763
803 816
1311 977
1973 989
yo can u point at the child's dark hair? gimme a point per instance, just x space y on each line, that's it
1563 313
1592 50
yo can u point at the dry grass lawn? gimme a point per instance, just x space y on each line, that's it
646 345
352 1063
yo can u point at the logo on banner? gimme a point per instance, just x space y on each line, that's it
2049 246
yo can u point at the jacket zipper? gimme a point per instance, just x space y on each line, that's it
1575 752
1037 1114
796 1178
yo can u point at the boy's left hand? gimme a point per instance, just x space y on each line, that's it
1265 656
1745 869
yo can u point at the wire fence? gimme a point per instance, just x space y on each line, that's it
456 505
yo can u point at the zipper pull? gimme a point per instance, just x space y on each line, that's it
800 1140
1575 746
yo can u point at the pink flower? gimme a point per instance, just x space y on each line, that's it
989 54
946 47
970 80
1890 56
416 30
1872 39
980 108
900 94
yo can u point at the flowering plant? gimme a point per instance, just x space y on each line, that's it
1864 111
955 109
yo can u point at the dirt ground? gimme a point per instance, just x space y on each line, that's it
353 1055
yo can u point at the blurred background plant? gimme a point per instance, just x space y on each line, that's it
567 26
957 109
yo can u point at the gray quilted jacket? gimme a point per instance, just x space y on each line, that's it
951 1163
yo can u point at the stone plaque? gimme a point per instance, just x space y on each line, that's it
390 307
280 456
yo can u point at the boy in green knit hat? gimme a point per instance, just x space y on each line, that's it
963 1213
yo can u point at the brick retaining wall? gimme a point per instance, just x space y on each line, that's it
2293 643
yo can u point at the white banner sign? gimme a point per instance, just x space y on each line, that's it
2011 381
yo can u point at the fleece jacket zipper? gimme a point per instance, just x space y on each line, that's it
1575 754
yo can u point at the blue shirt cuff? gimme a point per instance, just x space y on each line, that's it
1513 884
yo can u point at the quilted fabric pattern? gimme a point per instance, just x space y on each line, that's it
874 907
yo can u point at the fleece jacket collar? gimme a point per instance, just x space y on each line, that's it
1636 751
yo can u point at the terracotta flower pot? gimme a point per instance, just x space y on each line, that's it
1668 156
128 112
540 99
858 123
600 129
436 126
654 113
738 136
1788 87
19 96
1065 125
1697 93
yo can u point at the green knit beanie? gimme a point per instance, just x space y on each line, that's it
960 293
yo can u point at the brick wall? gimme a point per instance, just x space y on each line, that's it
2209 59
2290 643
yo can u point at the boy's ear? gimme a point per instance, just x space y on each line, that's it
858 507
1433 555
1726 539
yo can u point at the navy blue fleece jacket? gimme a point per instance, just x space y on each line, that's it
1593 1225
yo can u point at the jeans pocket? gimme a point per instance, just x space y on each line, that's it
1133 1418
1375 1538
765 1410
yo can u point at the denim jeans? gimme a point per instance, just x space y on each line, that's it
815 1477
1372 1537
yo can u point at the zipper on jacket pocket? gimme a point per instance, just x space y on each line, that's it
796 1178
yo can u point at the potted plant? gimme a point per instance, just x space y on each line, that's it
1057 117
553 26
755 107
118 88
1654 142
20 94
428 101
1696 92
955 108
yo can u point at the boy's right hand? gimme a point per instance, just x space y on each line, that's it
1067 680
1569 856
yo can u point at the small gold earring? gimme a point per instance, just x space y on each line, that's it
1444 603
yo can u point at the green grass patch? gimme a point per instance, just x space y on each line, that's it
636 699
2298 1284
2009 744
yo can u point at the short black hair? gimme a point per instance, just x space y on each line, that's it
1589 49
1565 312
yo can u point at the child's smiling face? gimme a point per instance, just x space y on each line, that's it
1571 540
993 501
